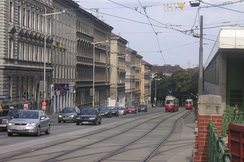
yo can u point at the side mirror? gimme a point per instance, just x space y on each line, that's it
43 118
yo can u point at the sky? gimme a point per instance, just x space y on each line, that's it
166 37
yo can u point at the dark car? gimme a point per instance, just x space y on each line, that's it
105 111
6 115
114 111
68 114
142 108
89 116
29 122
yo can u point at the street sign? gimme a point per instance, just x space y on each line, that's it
3 96
26 106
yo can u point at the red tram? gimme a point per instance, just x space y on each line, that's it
171 104
189 104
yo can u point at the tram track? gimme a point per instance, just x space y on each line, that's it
102 140
120 150
57 143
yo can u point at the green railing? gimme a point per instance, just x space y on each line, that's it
217 152
230 116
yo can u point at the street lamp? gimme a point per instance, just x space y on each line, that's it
44 58
93 70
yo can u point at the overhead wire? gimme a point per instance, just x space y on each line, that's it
156 34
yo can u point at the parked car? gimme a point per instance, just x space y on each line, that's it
89 116
6 115
29 122
114 111
105 111
122 111
68 114
142 108
131 109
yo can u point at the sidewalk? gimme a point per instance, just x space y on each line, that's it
185 154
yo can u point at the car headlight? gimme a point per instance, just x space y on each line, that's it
10 123
78 118
60 116
105 112
31 124
72 116
92 118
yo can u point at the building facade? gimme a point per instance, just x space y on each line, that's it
133 77
117 69
146 83
223 74
22 53
93 39
63 53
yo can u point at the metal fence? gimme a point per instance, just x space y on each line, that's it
229 116
217 152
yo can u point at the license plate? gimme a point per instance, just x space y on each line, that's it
19 128
85 122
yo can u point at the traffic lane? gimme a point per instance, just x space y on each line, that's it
61 128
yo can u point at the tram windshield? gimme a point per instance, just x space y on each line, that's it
169 102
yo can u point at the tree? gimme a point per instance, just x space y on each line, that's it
183 84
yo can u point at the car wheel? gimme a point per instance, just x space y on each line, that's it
100 122
77 123
10 134
38 131
48 130
95 122
64 121
108 116
59 121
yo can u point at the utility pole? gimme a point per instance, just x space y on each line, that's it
200 78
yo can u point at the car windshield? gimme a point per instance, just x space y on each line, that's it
27 115
8 112
142 105
88 112
169 102
68 110
103 108
121 108
113 108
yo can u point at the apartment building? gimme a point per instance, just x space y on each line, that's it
22 53
117 71
145 83
63 21
93 50
133 79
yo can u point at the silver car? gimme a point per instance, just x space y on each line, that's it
29 122
122 111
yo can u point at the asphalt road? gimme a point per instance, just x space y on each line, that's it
68 142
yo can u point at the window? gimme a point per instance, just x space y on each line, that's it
23 17
19 15
28 19
10 49
10 88
10 11
236 98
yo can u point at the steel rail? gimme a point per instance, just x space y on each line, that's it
116 152
161 144
26 151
